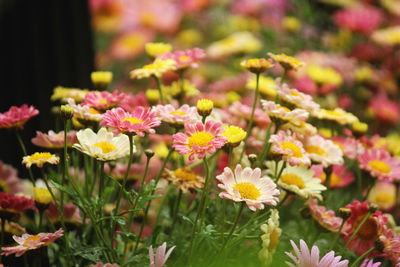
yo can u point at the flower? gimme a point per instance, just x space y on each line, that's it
234 135
11 205
184 179
391 248
351 147
337 115
101 79
16 117
9 181
154 49
281 113
103 100
158 67
323 151
266 86
291 149
270 237
325 218
71 213
383 194
287 62
247 185
39 159
300 180
131 101
384 109
387 36
42 196
199 139
363 19
104 145
177 116
129 44
54 140
370 263
84 113
63 93
244 111
238 42
303 257
293 97
28 242
138 122
380 164
186 58
256 65
204 107
324 75
161 257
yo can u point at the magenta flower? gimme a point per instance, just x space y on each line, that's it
326 218
16 117
380 164
161 257
186 58
362 19
138 122
54 140
28 242
170 114
103 100
9 180
199 139
370 263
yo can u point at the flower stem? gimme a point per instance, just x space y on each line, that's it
357 229
359 259
25 154
234 226
230 157
159 88
251 117
65 163
176 210
266 148
337 236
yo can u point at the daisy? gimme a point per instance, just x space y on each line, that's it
161 256
157 68
323 151
257 65
138 122
293 97
287 62
28 242
266 86
185 179
185 59
337 115
304 258
291 149
177 116
325 218
131 101
104 145
84 113
301 128
363 19
199 139
54 140
234 135
351 147
270 237
103 100
12 205
370 263
154 49
300 180
9 180
380 164
39 159
391 248
383 194
282 113
16 117
247 185
63 93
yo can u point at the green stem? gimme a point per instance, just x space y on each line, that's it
283 75
359 259
251 117
159 88
101 182
40 219
230 157
25 154
337 236
234 226
197 163
280 171
283 200
357 229
266 148
176 211
65 162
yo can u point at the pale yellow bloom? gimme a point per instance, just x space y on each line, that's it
157 68
153 49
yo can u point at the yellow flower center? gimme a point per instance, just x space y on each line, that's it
282 107
103 101
379 166
41 156
133 120
316 150
185 174
105 146
332 113
339 145
200 139
248 191
93 111
383 198
184 58
34 238
293 179
178 112
296 151
273 240
335 179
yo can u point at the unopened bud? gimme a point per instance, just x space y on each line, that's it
149 153
252 158
372 207
344 213
66 112
204 107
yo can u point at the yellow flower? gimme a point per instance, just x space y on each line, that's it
359 127
101 79
266 86
387 36
324 75
287 62
153 49
63 93
337 115
190 37
174 90
234 135
239 42
257 65
291 24
233 97
363 73
204 107
157 68
39 159
42 195
152 95
270 237
185 179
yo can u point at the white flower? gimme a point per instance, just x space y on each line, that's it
323 151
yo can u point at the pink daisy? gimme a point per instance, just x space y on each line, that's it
84 113
28 242
199 139
380 164
340 177
103 100
291 149
131 102
54 140
16 117
323 151
370 263
391 248
247 185
304 258
161 256
351 147
15 204
283 113
326 218
244 111
9 180
385 109
186 58
362 19
71 213
170 114
138 122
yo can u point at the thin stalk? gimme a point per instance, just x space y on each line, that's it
65 162
40 219
230 156
283 200
176 211
357 229
3 223
159 88
280 171
359 259
336 236
25 154
101 183
234 226
283 75
251 117
266 148
197 163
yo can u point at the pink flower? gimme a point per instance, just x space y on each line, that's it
244 111
199 139
295 97
391 248
247 185
363 19
161 257
71 212
16 117
130 44
138 122
380 164
54 140
340 177
351 147
326 218
131 102
370 263
283 113
323 151
170 114
9 181
28 242
291 149
186 58
306 85
304 258
84 113
14 203
384 109
103 100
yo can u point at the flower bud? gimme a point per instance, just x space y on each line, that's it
204 107
66 112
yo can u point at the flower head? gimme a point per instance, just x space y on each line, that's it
247 185
295 98
104 145
325 218
186 58
71 213
185 179
157 68
101 79
103 100
304 258
380 164
362 19
9 180
84 113
387 36
63 93
240 110
234 135
199 139
42 195
138 122
161 257
39 159
16 117
53 140
270 237
28 242
323 151
154 49
287 62
337 115
256 65
11 205
281 113
383 194
204 107
177 116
